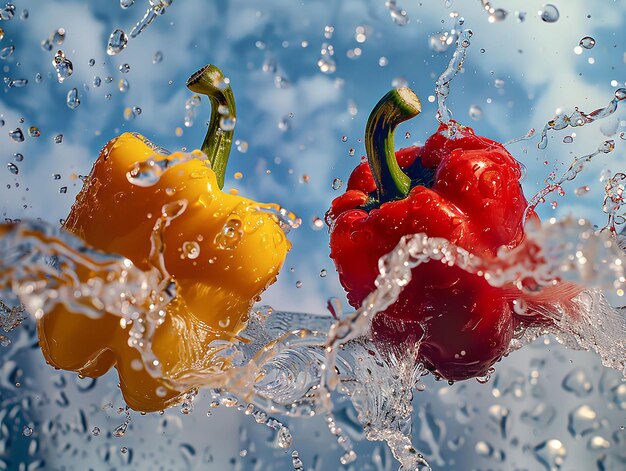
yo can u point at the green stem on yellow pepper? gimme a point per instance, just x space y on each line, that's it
395 107
210 81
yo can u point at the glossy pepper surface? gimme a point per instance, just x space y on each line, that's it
459 186
221 249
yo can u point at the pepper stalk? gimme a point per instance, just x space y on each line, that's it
397 106
210 81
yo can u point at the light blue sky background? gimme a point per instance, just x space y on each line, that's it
535 60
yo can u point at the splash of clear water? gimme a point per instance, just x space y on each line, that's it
580 118
577 166
442 88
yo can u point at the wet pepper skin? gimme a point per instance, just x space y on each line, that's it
241 250
465 188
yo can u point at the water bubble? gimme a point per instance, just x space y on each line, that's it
577 383
18 83
8 12
230 236
157 58
551 453
97 81
124 68
18 157
587 42
475 112
6 52
38 78
242 146
549 13
582 420
17 135
317 223
62 65
123 85
128 114
191 250
497 16
72 99
126 3
337 183
27 431
326 63
399 82
13 168
4 341
47 45
568 139
582 190
117 42
269 65
383 61
227 123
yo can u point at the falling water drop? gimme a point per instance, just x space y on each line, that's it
587 42
62 65
549 13
117 42
72 99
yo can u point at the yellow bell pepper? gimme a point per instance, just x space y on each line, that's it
223 251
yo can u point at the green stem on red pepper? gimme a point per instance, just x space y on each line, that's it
210 81
395 107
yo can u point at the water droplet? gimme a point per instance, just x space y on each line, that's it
337 183
549 13
17 135
242 146
4 341
92 62
72 99
230 236
18 83
6 52
62 65
551 453
58 139
120 430
520 307
13 168
577 383
123 85
399 82
475 112
317 223
582 190
157 58
117 42
126 3
587 42
497 16
620 94
582 420
191 250
63 190
284 437
8 12
124 68
568 139
27 431
129 114
18 157
227 123
33 131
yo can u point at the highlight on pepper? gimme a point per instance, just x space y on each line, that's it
458 186
166 211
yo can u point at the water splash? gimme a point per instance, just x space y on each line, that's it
577 166
442 88
614 201
397 13
580 118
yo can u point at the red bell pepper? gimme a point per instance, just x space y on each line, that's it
458 186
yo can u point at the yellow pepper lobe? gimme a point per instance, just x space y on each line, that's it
222 250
